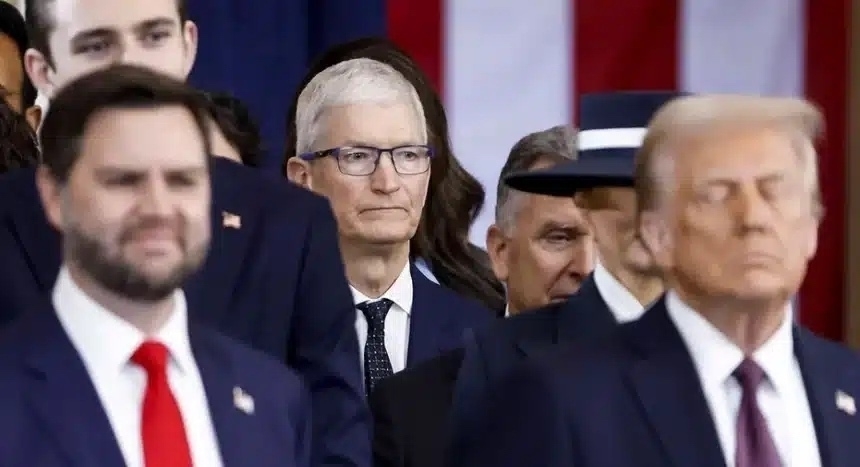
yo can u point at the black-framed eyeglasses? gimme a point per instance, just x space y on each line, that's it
363 160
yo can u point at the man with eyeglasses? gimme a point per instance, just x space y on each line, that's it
362 142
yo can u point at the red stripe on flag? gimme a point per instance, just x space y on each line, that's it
419 27
822 294
622 45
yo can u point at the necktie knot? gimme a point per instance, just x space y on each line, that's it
152 357
375 312
750 375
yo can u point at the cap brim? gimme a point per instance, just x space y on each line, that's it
567 179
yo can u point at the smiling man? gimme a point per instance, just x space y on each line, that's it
362 142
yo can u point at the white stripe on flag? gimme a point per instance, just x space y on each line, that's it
507 75
739 46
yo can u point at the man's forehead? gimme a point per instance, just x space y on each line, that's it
740 154
79 15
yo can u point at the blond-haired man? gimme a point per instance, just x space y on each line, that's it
716 373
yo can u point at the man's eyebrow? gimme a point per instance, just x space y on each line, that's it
154 23
93 33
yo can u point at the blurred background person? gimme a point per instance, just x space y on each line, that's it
440 247
235 134
15 86
18 146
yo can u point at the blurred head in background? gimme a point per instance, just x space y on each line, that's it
69 38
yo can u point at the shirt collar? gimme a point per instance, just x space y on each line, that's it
400 292
105 340
716 357
623 305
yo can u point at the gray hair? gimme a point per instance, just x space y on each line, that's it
541 149
357 81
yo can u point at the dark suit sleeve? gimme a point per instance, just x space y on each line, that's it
524 425
325 350
304 431
469 404
387 443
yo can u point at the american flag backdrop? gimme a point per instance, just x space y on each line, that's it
510 67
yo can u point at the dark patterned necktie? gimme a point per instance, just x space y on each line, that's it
755 447
377 365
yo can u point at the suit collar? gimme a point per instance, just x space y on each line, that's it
401 291
431 327
826 373
234 427
55 368
664 379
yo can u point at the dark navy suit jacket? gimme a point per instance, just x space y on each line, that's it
440 319
634 400
275 281
52 415
492 354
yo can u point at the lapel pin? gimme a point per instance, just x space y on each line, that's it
243 401
231 221
845 403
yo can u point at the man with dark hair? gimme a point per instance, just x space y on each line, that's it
275 280
235 134
16 87
117 358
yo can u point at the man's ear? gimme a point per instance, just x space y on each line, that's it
498 251
40 72
299 172
190 38
50 192
655 236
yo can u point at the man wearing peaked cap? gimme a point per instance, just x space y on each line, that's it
612 127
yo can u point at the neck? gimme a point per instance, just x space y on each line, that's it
644 287
148 317
746 323
372 270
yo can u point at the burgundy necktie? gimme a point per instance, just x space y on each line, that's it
755 447
162 430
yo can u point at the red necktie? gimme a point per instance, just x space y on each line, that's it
162 430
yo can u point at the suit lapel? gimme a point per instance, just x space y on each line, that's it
236 213
821 376
39 240
429 326
63 397
224 394
665 381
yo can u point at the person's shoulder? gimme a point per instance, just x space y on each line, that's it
819 350
533 323
278 194
252 367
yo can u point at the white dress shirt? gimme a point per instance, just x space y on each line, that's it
106 343
781 397
623 305
396 321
